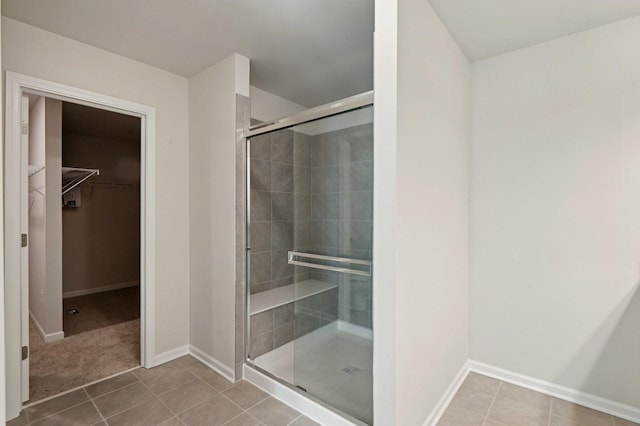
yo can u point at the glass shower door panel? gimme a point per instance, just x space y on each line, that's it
332 236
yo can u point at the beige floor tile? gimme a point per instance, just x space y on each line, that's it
244 419
622 422
111 384
559 421
123 399
217 382
174 421
215 411
510 412
245 394
147 374
490 422
304 421
184 358
21 420
524 395
456 418
83 414
196 367
56 404
171 379
150 413
186 396
272 412
468 407
583 415
480 383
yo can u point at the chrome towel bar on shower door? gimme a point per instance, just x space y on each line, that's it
294 255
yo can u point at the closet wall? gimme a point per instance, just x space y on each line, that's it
101 249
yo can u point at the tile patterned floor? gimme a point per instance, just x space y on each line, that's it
484 401
181 392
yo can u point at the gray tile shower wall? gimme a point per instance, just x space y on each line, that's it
276 327
280 207
342 212
311 193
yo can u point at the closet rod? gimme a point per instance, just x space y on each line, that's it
74 176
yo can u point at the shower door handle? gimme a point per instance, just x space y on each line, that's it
294 256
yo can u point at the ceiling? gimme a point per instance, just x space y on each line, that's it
490 27
308 51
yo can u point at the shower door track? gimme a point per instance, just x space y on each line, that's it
354 102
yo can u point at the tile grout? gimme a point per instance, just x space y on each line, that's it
97 410
58 411
493 400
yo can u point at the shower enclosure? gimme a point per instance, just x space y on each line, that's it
309 251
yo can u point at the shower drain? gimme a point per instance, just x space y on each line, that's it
351 370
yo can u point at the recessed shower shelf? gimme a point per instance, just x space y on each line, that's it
265 300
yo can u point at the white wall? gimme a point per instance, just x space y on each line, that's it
34 52
37 213
212 167
45 218
431 245
384 211
421 191
53 165
555 241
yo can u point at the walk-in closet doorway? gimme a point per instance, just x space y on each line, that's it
16 221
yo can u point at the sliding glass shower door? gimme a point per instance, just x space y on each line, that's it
310 249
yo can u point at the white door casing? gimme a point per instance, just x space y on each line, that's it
15 306
24 255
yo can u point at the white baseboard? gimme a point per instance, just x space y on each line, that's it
572 395
167 356
51 337
445 400
198 354
85 291
212 363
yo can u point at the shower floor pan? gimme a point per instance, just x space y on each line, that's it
332 363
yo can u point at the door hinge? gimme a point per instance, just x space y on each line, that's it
24 128
25 239
25 352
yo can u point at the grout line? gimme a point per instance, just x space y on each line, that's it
99 413
207 384
137 405
261 401
115 390
172 389
225 396
232 419
292 421
29 421
486 417
170 410
550 411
